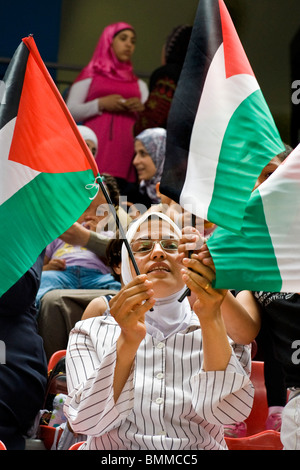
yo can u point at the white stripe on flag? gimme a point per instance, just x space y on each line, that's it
13 175
219 100
280 196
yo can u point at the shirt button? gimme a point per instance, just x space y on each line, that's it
162 433
160 375
159 401
160 345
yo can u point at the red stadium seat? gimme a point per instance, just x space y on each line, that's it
2 446
256 421
55 358
266 440
76 445
47 435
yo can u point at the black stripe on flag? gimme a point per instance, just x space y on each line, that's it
206 39
11 89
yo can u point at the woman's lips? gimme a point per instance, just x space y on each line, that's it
158 267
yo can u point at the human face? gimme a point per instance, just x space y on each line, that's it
91 211
143 163
161 266
267 171
123 45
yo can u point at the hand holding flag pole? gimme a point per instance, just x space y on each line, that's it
187 292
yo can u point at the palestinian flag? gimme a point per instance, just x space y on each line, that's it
46 169
266 256
220 131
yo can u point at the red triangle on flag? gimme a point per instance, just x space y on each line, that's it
236 60
46 137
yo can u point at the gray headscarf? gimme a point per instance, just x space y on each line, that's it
154 141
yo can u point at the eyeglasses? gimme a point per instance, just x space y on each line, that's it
142 246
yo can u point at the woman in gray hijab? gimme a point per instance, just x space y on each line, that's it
150 150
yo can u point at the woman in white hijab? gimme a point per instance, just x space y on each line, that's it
151 373
90 138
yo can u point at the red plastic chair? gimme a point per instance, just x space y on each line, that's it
256 421
47 435
55 358
266 440
2 446
258 438
76 445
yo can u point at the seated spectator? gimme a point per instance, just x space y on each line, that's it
150 150
90 138
273 370
103 222
70 264
145 333
23 372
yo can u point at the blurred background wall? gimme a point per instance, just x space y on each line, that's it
66 33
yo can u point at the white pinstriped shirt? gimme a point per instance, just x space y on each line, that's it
168 402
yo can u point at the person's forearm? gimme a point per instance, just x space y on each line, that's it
216 347
77 104
125 358
76 235
241 325
97 243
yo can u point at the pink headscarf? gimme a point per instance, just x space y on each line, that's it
104 61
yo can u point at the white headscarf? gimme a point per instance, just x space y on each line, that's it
88 134
168 316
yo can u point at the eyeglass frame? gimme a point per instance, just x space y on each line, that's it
154 242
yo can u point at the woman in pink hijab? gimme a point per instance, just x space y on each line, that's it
107 96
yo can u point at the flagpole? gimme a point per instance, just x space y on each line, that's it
118 223
187 292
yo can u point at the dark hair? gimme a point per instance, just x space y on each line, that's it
177 44
113 253
113 188
282 156
124 29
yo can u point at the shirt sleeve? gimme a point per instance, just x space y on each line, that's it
225 397
51 248
143 90
77 104
97 243
90 406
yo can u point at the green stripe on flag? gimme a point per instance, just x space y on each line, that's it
37 214
246 262
250 141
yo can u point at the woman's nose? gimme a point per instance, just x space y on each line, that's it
135 160
157 251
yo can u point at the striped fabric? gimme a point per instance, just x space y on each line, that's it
168 402
45 165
